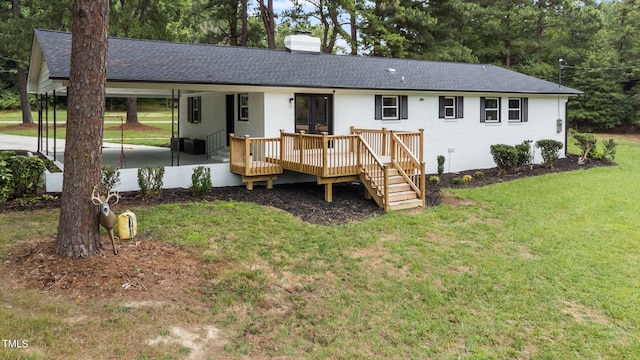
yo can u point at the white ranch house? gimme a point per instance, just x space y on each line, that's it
221 90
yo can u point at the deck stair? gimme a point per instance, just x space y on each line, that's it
400 194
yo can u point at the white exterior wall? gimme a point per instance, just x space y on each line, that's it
255 127
213 116
464 142
279 113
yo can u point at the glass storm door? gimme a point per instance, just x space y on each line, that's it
314 113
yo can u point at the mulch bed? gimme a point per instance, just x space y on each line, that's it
306 200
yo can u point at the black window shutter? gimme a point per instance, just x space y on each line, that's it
482 113
500 109
441 107
459 107
404 107
525 109
378 107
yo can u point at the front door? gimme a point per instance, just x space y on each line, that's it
230 114
314 113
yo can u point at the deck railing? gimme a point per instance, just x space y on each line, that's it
380 140
375 171
408 165
254 156
322 155
363 153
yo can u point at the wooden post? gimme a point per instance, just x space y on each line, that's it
384 142
281 147
325 153
247 153
423 185
386 187
300 146
422 145
231 152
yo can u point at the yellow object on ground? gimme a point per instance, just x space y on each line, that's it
127 225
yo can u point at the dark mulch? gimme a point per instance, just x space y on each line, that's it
306 200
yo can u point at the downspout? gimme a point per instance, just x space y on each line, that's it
566 125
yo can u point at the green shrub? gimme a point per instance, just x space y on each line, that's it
549 149
523 152
434 180
505 157
441 160
609 152
586 143
467 179
150 180
110 179
6 180
478 174
510 158
20 175
457 181
201 181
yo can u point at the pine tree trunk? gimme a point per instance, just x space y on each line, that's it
132 111
78 228
22 76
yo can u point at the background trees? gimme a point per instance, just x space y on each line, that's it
599 41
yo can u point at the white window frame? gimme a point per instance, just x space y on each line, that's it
395 107
451 107
514 109
495 109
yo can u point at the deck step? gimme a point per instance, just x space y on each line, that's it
399 187
401 195
405 204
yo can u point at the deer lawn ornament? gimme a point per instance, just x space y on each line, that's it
107 217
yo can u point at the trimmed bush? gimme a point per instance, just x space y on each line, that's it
467 179
549 149
110 179
201 181
510 158
150 180
441 160
609 152
505 157
586 143
478 174
457 181
523 152
20 175
434 180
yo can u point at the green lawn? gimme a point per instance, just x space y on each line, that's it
158 135
538 268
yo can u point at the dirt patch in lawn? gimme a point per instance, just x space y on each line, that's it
146 269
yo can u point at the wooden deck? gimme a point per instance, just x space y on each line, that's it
388 163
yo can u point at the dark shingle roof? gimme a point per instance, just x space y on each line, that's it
134 60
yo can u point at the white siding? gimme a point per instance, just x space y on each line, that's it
213 116
464 142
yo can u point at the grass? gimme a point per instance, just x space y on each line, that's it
161 120
541 268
